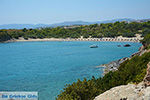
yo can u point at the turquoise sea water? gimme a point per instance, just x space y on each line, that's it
47 66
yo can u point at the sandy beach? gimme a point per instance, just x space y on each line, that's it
117 39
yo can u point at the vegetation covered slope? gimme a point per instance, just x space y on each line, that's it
146 41
132 70
96 30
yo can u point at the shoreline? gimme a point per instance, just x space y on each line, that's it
114 65
120 39
111 66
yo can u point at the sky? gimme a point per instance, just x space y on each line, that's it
55 11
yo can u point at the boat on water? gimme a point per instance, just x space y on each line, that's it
118 45
127 45
93 46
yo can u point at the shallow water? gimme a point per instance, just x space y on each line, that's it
47 66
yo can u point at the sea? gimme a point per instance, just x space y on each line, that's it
46 67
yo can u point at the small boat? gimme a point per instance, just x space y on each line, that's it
119 45
127 45
93 46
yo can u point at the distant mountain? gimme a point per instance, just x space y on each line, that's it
143 20
67 23
120 20
21 26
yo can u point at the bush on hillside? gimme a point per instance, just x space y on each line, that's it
132 70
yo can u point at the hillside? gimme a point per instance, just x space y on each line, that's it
139 91
126 92
86 31
66 23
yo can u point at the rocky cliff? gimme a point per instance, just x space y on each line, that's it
139 91
126 92
113 66
147 76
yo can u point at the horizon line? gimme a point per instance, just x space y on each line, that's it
80 21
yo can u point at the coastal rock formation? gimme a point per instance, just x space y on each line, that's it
140 52
113 66
130 91
147 76
126 92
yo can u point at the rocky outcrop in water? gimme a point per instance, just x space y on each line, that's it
113 66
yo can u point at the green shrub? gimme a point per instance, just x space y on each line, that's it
146 40
132 70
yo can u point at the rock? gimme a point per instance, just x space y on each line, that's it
117 93
147 93
126 92
113 66
141 48
147 76
134 54
130 91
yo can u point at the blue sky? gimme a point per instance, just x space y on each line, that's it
55 11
